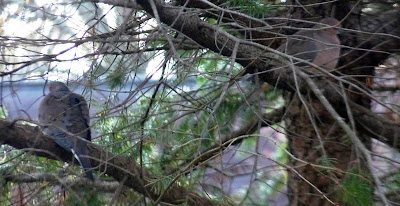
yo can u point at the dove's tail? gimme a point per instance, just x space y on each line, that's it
85 163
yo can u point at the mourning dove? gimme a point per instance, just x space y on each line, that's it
320 45
65 117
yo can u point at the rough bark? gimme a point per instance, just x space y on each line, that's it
56 179
31 140
325 146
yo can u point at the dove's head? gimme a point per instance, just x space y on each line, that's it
330 25
57 86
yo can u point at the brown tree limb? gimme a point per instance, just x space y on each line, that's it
30 139
55 179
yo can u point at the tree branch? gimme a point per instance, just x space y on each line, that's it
75 184
31 140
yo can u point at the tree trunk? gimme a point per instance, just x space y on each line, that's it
325 147
313 135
